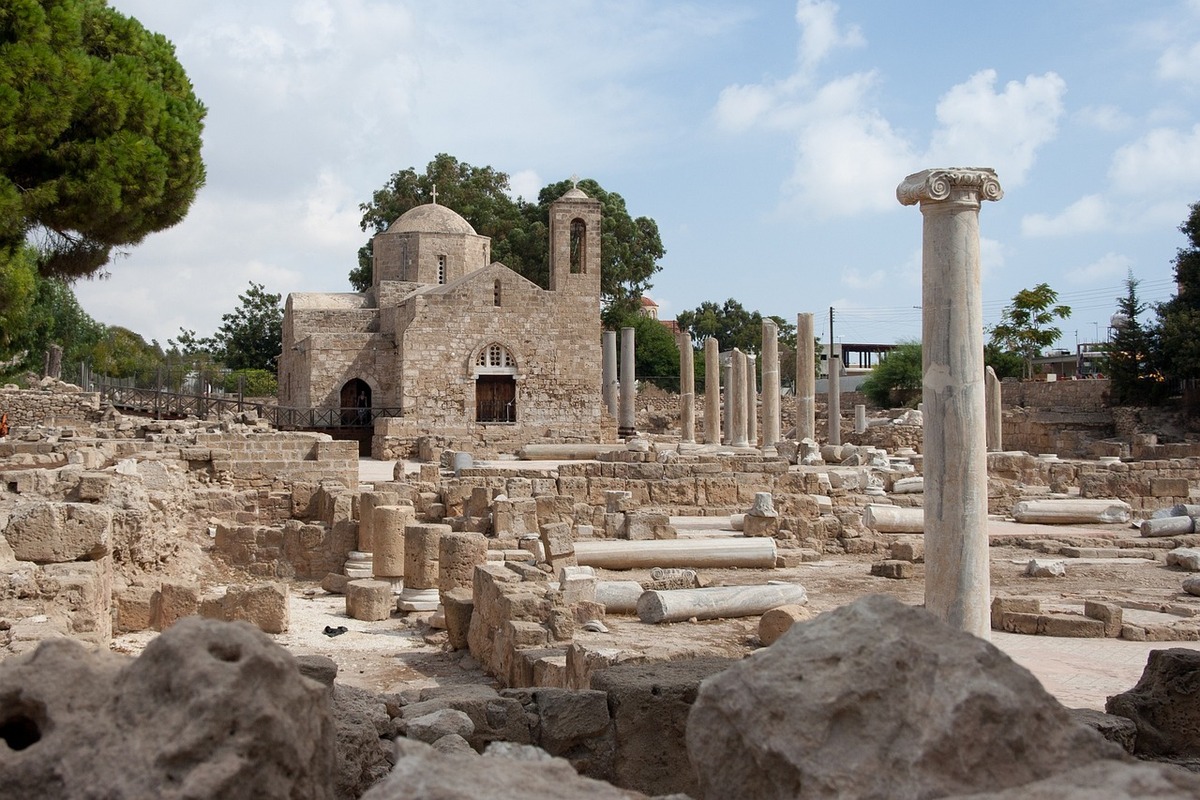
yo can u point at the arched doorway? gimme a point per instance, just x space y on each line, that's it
495 385
356 402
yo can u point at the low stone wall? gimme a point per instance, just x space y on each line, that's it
1064 417
28 407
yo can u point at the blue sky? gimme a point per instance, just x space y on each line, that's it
765 138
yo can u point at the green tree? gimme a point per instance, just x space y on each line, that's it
121 353
53 317
897 378
520 230
1005 363
18 288
733 326
251 336
1128 357
1027 326
1178 329
478 194
99 133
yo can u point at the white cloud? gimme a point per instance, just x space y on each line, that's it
740 107
1105 118
1163 159
1108 267
820 33
1085 215
982 128
1180 63
525 183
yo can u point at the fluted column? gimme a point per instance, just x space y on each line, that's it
957 583
687 389
770 383
806 372
712 391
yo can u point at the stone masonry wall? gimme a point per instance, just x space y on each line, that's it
26 407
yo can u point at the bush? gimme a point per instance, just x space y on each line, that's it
896 380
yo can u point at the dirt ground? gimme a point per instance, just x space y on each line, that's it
403 653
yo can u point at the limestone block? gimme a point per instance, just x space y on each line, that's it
93 486
1007 605
45 532
779 620
832 705
1046 568
173 601
443 722
369 600
264 605
1070 626
559 544
1110 779
133 608
421 552
459 604
334 583
1191 585
1187 558
893 568
1070 511
458 555
388 538
1110 614
717 602
908 548
1166 526
642 525
1169 487
893 519
209 709
755 525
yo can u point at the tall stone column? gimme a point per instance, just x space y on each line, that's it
736 394
835 393
860 418
421 551
712 391
727 369
806 376
627 421
608 377
957 583
995 411
751 400
770 383
687 389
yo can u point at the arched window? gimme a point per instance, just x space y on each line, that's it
578 250
495 356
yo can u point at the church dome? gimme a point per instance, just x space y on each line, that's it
575 193
431 218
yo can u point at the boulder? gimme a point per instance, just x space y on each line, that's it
209 709
1111 780
1165 704
361 722
878 700
422 773
48 533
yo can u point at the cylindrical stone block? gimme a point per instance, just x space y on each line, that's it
366 517
388 531
421 551
779 620
712 391
860 418
736 395
458 554
368 600
806 375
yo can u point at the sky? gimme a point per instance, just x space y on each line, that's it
766 139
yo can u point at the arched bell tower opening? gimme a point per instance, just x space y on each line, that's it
495 373
356 402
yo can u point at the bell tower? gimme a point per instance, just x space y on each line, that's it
575 244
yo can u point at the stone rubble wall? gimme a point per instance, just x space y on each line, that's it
28 407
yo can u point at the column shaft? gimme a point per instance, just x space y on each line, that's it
608 379
712 391
626 423
806 370
687 389
770 383
737 397
835 394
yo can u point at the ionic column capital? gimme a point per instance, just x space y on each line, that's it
969 185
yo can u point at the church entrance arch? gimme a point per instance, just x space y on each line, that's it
356 402
495 385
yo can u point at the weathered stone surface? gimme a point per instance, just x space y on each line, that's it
360 720
369 600
47 533
1165 704
172 602
264 605
649 705
209 709
879 700
1118 730
1046 568
436 724
1185 558
893 568
1191 585
422 773
1111 780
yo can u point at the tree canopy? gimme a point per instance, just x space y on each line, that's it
897 378
519 230
733 326
249 338
1178 330
1027 325
99 133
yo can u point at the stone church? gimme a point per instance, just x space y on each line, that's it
450 349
